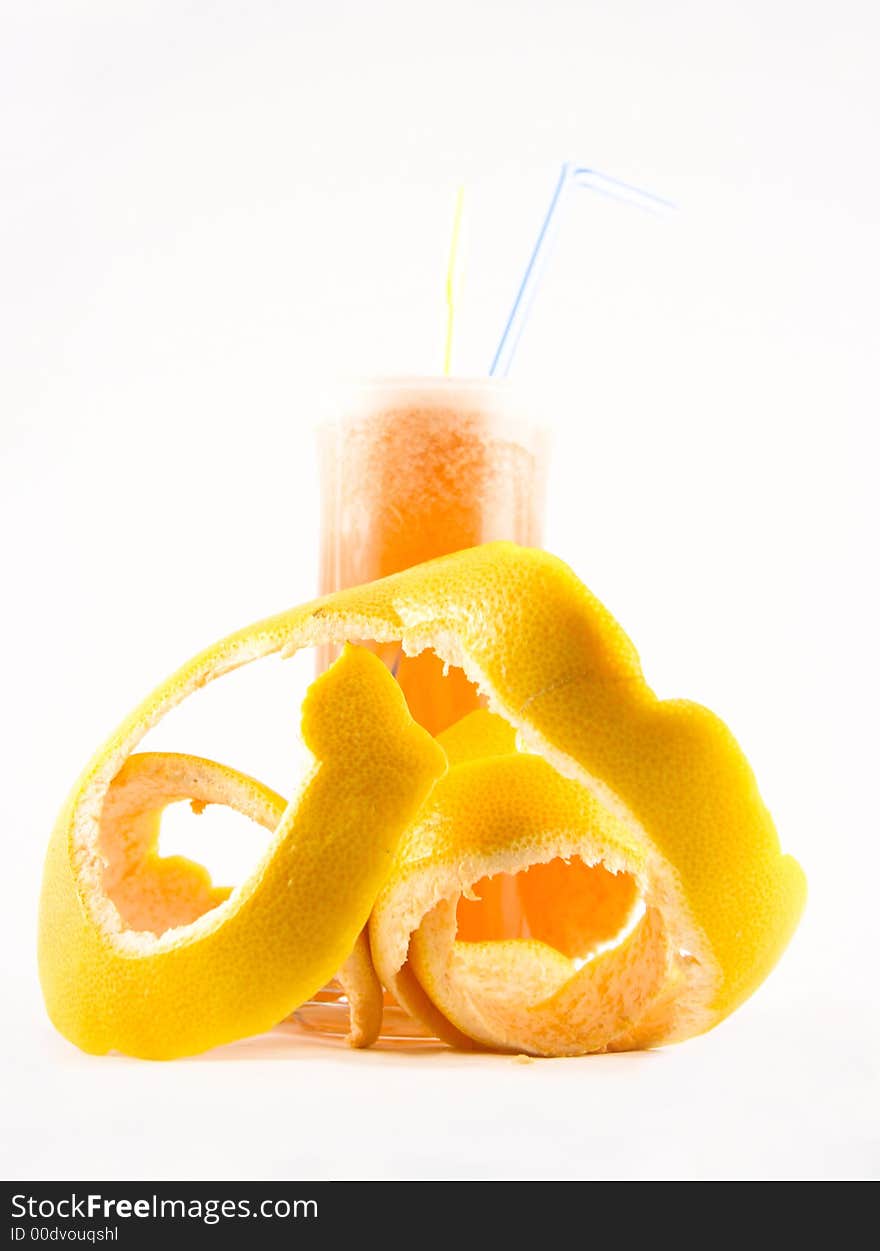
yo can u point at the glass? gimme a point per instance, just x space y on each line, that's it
411 469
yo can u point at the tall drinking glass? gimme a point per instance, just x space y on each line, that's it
411 469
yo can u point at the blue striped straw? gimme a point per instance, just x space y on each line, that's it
569 176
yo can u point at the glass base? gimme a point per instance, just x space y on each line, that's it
328 1014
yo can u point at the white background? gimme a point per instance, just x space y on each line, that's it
208 209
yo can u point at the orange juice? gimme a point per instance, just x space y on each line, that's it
416 468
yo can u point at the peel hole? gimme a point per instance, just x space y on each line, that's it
437 695
570 905
226 842
198 859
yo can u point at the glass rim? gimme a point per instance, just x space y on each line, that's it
507 401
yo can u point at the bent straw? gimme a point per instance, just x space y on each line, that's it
453 279
569 176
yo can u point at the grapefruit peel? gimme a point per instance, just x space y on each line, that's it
659 805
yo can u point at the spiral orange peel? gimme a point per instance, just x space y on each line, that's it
616 800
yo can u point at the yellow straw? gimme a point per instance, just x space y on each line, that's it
453 279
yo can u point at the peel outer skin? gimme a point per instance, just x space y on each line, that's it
240 968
